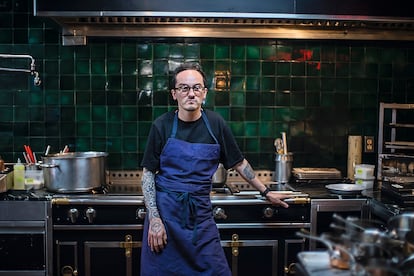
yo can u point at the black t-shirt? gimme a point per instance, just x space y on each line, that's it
193 132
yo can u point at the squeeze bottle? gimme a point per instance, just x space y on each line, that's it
18 175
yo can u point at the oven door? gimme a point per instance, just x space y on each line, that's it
93 251
25 240
22 247
262 249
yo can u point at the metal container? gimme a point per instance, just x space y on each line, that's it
219 177
283 167
6 180
74 172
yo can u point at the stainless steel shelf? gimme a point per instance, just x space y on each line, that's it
391 127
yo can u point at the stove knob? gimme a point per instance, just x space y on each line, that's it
268 212
219 213
90 214
73 214
141 213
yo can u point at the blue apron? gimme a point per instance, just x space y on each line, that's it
183 198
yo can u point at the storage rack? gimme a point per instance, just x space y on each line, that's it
389 139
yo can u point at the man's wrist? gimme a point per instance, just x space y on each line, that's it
265 192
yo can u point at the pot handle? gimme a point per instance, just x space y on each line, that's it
48 165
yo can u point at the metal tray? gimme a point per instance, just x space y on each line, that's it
344 188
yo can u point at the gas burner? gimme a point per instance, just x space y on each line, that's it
21 195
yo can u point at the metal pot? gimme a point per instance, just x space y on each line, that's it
219 177
400 225
74 172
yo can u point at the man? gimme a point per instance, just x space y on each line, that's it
183 151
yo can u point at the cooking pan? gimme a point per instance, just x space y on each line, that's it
400 225
339 257
74 172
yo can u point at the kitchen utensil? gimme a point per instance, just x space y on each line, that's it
400 225
219 177
74 172
344 188
285 150
278 143
283 167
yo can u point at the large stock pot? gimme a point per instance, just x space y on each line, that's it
74 172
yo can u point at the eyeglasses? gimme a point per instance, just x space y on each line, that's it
185 89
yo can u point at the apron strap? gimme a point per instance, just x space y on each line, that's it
206 122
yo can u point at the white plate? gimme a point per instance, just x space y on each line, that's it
344 188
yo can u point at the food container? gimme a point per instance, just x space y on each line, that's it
364 171
366 183
6 180
33 178
74 172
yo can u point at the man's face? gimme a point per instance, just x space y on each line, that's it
189 90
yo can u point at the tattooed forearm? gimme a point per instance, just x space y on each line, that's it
248 171
148 188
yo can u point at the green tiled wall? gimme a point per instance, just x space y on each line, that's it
104 96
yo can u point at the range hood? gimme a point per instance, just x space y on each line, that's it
275 19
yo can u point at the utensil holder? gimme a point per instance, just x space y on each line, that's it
283 167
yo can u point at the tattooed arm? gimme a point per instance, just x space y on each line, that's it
157 236
245 170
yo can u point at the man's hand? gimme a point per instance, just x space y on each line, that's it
157 236
277 198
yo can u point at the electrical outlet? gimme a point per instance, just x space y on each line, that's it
369 144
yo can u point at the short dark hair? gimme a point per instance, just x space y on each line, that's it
188 66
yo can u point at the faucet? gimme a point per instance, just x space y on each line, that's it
32 70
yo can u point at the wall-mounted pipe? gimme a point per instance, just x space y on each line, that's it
32 70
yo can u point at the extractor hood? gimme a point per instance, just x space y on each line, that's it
275 19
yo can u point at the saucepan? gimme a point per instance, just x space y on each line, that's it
400 225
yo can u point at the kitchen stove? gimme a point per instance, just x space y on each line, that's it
100 232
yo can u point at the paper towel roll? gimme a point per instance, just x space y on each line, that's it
354 154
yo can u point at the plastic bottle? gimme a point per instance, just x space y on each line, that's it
18 175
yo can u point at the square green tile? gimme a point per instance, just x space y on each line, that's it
98 129
252 83
83 114
98 51
114 66
269 52
161 51
238 67
114 50
252 52
145 51
83 129
268 84
283 69
207 51
238 52
192 51
253 68
222 51
129 51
